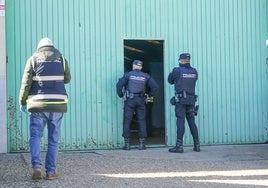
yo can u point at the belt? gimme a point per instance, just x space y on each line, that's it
138 94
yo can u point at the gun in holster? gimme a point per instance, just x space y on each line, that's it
175 99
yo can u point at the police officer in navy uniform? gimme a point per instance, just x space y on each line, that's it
134 85
184 79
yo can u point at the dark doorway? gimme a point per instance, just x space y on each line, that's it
151 52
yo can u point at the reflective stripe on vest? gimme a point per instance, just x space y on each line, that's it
46 96
61 99
48 78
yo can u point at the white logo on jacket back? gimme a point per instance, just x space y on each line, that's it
139 78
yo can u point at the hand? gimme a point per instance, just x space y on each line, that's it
149 99
123 98
23 108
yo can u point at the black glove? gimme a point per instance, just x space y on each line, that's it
196 110
173 101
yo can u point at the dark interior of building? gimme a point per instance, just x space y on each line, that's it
151 52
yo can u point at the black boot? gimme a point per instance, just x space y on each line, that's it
196 145
127 145
178 148
142 144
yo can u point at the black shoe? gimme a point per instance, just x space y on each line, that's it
127 145
196 148
176 149
142 147
196 145
142 144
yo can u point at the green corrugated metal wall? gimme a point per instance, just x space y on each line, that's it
226 39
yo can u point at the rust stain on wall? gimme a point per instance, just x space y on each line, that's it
16 139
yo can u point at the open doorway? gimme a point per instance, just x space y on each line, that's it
151 52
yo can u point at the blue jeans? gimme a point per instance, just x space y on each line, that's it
38 121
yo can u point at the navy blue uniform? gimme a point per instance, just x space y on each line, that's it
184 79
134 84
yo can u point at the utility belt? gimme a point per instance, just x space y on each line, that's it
132 95
183 98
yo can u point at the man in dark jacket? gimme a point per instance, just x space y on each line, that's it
43 94
184 79
134 84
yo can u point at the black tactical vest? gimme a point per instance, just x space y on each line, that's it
186 81
137 82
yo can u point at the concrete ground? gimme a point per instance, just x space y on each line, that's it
215 166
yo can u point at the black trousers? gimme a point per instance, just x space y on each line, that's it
185 111
135 104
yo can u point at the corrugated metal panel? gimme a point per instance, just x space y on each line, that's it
226 39
87 33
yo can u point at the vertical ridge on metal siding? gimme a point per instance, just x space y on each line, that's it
92 73
244 59
82 36
212 133
254 47
264 90
165 25
261 38
73 115
237 76
118 69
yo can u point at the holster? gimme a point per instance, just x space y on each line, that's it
196 110
173 101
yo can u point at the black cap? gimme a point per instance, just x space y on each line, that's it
185 56
137 62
